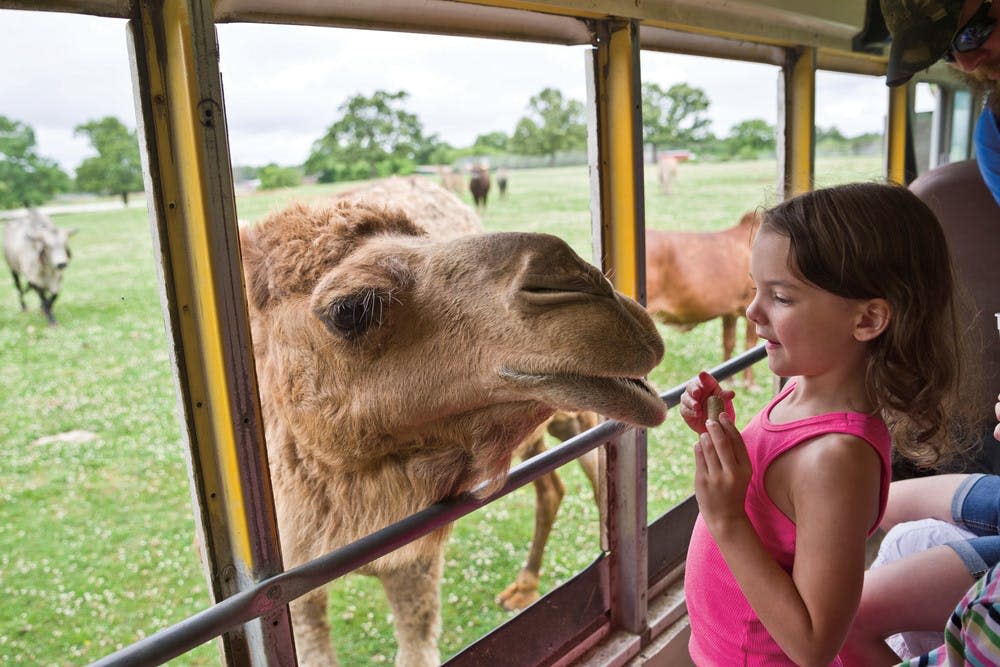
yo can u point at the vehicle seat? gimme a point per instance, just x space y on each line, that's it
970 217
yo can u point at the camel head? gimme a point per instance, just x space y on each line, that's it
376 342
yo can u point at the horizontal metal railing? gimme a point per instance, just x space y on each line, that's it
281 589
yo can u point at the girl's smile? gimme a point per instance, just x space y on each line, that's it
808 331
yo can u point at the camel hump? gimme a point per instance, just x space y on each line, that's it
437 210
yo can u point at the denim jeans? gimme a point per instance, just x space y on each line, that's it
976 508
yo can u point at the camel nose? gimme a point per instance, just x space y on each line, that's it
61 265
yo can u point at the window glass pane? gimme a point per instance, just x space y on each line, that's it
961 126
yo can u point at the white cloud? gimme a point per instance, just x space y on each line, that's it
283 84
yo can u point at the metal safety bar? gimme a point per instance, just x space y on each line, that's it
270 594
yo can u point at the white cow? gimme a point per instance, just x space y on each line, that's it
37 251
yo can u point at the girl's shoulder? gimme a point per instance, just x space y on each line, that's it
832 451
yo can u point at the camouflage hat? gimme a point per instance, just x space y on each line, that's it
921 32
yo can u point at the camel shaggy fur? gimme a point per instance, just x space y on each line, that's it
399 365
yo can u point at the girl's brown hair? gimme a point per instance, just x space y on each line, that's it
874 240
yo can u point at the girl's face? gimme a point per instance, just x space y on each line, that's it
809 331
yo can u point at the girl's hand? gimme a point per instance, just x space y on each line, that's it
722 474
996 430
695 399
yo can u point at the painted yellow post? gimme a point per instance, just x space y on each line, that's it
895 134
617 196
182 123
796 115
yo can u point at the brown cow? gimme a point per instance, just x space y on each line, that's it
479 185
694 277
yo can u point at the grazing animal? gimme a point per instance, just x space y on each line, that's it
37 252
667 172
502 181
694 277
479 185
451 179
399 366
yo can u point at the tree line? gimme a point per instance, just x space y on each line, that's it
376 136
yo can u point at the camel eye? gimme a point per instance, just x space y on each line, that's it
353 315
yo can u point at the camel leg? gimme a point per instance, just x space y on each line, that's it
549 491
728 336
312 630
574 424
591 468
751 340
414 592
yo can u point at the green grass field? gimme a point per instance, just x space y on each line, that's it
96 537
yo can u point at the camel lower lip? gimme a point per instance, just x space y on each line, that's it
631 400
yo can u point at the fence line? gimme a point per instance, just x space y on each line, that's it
273 593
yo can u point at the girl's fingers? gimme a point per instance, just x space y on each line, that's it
708 453
722 446
739 448
708 382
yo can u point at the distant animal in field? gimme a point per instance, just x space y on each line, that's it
401 362
502 181
451 179
694 277
666 172
479 185
37 252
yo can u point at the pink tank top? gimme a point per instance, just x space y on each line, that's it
725 631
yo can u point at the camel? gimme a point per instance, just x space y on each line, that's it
401 362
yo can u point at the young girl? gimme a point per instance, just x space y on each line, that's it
854 296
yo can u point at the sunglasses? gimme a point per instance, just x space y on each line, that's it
972 35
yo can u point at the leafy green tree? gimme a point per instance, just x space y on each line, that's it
832 134
26 178
751 139
493 142
374 136
553 124
869 143
675 117
116 169
273 176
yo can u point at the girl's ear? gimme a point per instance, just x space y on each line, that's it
872 320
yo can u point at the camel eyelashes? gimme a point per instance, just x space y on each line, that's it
353 315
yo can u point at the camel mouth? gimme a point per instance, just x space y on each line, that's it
627 399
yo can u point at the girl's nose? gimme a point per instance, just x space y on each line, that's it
970 60
753 312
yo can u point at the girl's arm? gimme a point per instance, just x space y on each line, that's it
830 488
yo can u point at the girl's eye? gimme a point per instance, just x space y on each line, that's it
780 299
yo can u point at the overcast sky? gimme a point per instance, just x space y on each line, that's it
283 84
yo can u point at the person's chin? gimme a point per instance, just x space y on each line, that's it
984 81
